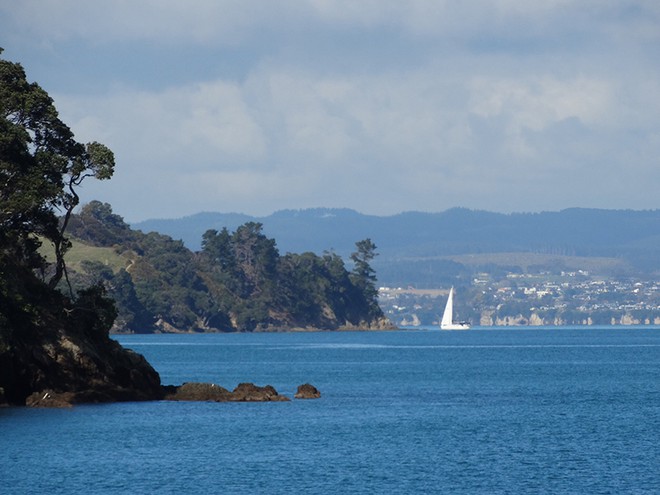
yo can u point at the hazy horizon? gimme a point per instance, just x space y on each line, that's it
322 208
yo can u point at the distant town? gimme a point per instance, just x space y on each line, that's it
565 298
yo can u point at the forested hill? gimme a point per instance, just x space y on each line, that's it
632 236
236 281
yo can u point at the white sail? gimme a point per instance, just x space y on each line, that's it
447 322
449 310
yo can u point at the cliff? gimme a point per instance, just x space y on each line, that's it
54 348
56 352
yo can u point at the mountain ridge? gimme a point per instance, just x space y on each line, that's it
630 235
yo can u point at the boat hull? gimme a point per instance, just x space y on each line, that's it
455 326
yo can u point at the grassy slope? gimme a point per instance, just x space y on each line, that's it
80 252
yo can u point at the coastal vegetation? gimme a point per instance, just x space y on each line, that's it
55 316
572 267
237 281
52 337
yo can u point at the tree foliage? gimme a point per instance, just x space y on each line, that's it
41 167
261 288
96 224
237 282
363 275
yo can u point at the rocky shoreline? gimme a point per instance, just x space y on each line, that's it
69 365
192 391
380 324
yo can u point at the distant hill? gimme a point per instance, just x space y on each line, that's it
314 230
421 248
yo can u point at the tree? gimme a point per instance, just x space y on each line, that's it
301 285
41 167
256 287
363 275
256 257
217 246
97 224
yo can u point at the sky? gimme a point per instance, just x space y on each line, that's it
382 106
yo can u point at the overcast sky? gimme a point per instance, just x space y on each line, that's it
382 106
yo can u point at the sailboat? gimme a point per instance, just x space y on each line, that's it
447 322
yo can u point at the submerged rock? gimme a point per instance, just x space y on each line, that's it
307 391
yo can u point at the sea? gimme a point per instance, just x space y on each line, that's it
492 411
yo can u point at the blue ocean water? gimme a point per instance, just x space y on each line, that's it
483 411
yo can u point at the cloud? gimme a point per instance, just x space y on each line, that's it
381 105
226 21
191 126
538 103
323 139
163 21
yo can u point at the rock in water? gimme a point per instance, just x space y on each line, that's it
249 392
307 391
197 392
244 392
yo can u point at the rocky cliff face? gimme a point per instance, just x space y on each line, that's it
62 347
73 365
59 353
90 370
382 323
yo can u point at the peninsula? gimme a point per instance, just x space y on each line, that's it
55 348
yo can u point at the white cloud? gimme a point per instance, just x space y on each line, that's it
293 138
537 103
192 126
217 117
381 105
305 115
